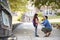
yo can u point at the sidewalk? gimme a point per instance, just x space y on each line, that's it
26 32
54 20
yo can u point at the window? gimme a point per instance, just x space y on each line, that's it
47 13
50 13
5 19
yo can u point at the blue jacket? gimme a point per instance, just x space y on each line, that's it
47 24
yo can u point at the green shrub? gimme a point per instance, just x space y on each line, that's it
58 14
18 19
56 25
39 14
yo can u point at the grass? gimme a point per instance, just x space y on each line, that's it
55 23
54 17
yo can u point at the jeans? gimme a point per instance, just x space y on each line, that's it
35 30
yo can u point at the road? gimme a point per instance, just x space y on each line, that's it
25 31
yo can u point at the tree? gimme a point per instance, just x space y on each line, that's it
18 5
39 3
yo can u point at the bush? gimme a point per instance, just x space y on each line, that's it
39 14
56 25
58 14
18 20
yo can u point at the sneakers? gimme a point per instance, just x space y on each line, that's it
36 35
47 35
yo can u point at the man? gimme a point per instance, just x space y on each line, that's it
47 29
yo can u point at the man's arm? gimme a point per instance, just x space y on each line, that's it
44 23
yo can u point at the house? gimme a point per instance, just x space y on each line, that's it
47 10
28 16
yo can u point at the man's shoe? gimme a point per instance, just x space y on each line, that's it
47 35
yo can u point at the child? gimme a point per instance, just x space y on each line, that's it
35 23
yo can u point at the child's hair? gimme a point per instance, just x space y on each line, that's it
46 17
35 16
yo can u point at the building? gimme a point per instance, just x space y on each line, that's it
47 10
28 16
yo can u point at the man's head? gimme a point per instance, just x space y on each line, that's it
45 17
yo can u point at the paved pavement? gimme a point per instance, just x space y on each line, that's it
25 31
51 20
54 20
